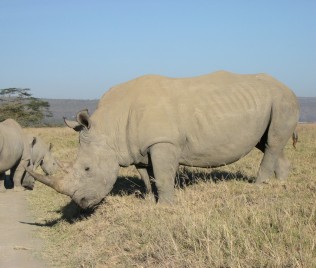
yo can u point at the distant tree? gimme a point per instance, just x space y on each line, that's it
18 104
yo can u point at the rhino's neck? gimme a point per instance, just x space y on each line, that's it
111 127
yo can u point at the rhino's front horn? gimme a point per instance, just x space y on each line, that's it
56 183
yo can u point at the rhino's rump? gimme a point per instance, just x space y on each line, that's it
12 146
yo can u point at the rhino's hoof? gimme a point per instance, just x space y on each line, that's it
18 189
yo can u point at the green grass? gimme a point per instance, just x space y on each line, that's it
219 218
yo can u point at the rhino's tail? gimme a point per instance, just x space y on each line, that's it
294 139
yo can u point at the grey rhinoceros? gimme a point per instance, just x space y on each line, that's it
42 156
157 123
18 149
15 152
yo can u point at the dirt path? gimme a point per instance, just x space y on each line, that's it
18 246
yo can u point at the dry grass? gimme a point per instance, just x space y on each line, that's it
219 220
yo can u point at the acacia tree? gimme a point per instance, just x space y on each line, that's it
20 105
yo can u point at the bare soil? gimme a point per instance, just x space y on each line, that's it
18 245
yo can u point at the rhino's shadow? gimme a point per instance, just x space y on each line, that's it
186 177
129 186
135 186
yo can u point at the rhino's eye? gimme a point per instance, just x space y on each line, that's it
87 169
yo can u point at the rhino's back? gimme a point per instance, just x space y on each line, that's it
153 83
215 119
220 88
11 144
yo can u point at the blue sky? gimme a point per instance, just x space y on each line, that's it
79 49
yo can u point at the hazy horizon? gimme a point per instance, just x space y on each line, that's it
78 49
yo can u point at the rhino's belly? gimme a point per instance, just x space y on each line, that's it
223 143
6 164
215 157
9 158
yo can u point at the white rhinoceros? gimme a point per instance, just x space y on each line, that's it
15 152
42 156
158 122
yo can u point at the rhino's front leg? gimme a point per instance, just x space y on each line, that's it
17 178
165 162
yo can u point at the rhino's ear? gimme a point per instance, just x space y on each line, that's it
73 124
83 121
83 118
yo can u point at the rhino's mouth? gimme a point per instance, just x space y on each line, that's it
85 202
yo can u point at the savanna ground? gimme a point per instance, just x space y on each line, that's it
220 219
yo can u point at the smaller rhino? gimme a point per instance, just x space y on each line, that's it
42 156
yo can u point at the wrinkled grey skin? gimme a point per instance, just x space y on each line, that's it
42 156
14 153
157 123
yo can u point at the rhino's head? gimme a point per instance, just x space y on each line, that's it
49 164
46 160
94 171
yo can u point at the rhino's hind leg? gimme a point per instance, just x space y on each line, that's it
165 161
282 167
283 122
145 175
273 163
267 166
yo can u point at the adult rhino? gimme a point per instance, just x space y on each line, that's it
15 152
41 155
157 123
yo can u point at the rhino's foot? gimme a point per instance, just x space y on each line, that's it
166 198
166 202
2 190
282 168
266 171
150 198
262 181
18 189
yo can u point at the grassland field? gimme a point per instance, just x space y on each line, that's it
220 218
